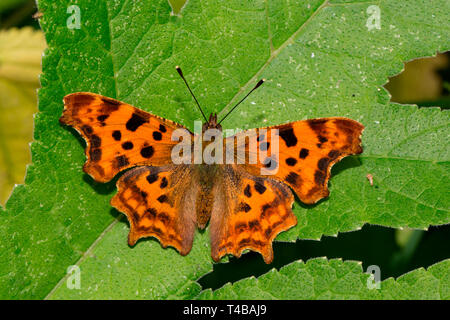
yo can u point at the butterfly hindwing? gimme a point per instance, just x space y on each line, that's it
118 135
159 202
307 151
248 213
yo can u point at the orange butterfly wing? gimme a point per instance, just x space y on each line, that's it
248 213
307 151
159 202
253 208
118 135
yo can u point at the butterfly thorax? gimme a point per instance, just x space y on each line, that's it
210 130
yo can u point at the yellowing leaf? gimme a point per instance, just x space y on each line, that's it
20 64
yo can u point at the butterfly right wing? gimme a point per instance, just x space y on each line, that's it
307 150
159 202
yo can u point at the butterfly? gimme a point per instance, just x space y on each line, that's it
245 208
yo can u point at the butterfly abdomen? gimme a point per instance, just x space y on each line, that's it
207 175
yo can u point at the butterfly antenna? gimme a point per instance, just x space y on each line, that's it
198 104
260 82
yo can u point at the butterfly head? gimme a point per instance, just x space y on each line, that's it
212 123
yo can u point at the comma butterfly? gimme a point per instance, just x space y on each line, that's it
245 207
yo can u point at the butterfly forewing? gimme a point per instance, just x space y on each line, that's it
306 152
118 135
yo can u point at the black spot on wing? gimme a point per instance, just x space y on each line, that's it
147 152
303 153
323 164
162 198
247 191
135 122
102 117
152 177
127 145
164 183
291 162
292 178
157 135
117 135
162 128
244 207
260 187
288 136
122 161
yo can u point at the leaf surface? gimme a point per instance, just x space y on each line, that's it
320 60
336 279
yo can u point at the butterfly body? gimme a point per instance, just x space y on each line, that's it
245 207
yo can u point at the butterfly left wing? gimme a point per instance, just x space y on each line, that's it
248 213
306 152
159 202
118 135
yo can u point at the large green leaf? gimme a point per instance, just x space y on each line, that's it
334 279
320 59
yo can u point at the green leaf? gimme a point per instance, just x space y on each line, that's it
110 270
320 60
336 279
